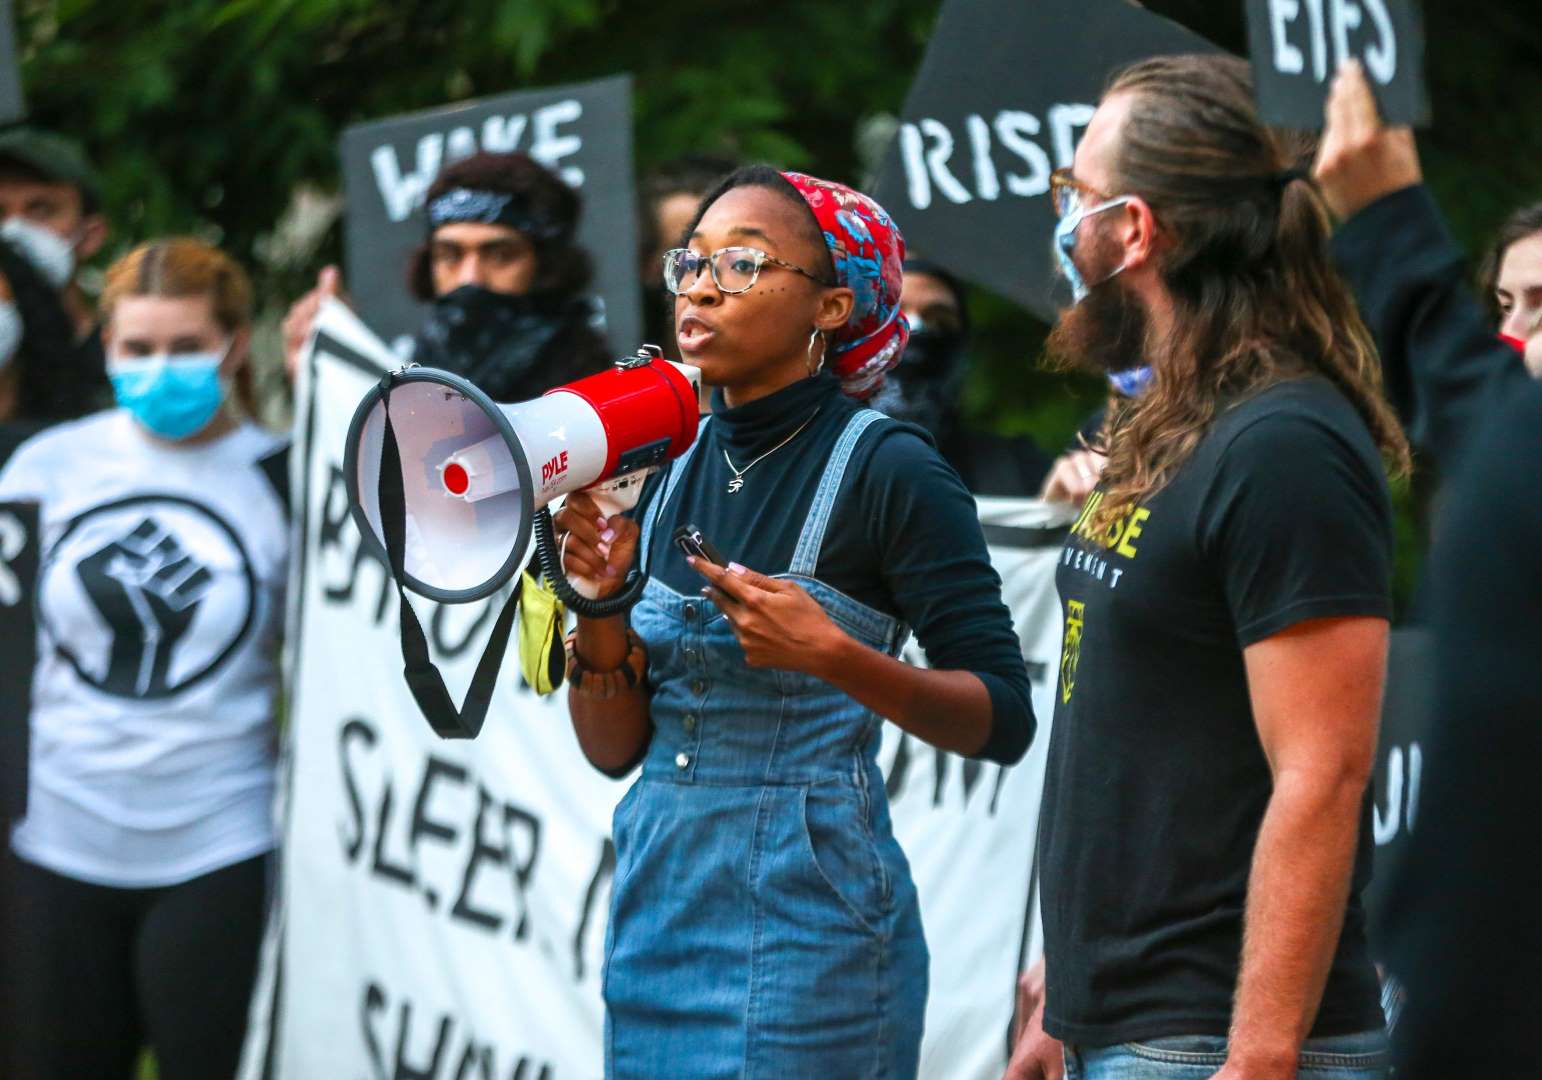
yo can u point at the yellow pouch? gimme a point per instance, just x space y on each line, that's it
542 617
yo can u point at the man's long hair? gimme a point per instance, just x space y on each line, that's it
1256 298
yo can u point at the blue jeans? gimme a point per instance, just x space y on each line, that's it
1362 1056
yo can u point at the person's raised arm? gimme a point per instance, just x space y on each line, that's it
1442 364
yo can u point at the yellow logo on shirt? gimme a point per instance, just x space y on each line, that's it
1121 533
1071 651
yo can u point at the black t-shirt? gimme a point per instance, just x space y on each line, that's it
1157 782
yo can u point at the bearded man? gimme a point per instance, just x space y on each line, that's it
1226 593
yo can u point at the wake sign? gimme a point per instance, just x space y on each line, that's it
1297 46
583 132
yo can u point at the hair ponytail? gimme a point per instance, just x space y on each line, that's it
1257 298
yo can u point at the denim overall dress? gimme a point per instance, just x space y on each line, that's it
763 920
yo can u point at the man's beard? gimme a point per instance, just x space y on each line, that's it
1105 332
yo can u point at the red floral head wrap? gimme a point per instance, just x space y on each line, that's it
868 252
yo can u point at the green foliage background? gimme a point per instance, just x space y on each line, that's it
207 115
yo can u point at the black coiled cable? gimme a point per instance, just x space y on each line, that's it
577 603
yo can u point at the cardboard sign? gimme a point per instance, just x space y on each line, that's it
18 650
1297 46
1001 99
12 105
583 132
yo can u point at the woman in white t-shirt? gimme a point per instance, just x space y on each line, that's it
141 887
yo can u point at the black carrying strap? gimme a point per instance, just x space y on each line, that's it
423 677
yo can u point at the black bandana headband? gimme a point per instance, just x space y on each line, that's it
489 208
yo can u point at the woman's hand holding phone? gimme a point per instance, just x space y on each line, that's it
778 624
596 549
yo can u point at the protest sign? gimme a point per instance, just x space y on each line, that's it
1297 46
441 906
1407 722
1001 98
583 132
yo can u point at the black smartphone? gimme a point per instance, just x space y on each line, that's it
690 541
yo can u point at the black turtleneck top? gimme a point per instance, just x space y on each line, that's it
904 537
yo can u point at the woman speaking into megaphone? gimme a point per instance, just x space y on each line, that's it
763 918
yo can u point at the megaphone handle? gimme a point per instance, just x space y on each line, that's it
577 602
423 677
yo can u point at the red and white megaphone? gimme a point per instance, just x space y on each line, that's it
476 475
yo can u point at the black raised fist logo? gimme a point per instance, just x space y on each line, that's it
147 589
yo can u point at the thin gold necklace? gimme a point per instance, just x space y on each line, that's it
738 481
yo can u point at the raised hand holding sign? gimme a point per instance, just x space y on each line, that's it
1297 46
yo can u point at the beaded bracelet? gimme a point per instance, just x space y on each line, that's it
603 685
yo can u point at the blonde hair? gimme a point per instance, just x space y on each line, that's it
186 267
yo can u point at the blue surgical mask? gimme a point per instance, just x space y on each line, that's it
1065 243
1131 382
172 396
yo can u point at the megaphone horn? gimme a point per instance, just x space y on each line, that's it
476 475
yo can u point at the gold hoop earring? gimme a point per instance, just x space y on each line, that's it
815 369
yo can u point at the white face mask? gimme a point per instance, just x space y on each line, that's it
50 253
11 329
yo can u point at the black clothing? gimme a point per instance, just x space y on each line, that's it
1444 366
905 538
989 464
108 970
1463 929
1156 783
924 390
512 348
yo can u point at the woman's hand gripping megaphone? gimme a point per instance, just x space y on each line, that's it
597 551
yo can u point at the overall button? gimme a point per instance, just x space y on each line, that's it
690 612
689 723
690 655
699 687
681 760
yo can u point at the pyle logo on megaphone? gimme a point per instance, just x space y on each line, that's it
554 469
475 473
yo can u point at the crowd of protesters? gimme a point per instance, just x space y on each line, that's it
1269 326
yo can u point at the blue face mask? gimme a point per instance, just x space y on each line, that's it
172 396
1132 382
1065 243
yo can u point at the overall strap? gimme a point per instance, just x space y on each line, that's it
671 481
806 557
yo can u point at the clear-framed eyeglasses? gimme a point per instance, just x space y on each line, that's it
1068 194
733 269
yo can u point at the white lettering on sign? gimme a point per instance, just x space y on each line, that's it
1334 27
926 149
403 191
1385 826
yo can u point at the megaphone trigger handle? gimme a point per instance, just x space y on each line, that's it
577 602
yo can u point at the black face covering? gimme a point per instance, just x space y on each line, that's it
924 388
511 347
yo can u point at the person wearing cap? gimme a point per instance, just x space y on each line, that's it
505 275
51 209
763 919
